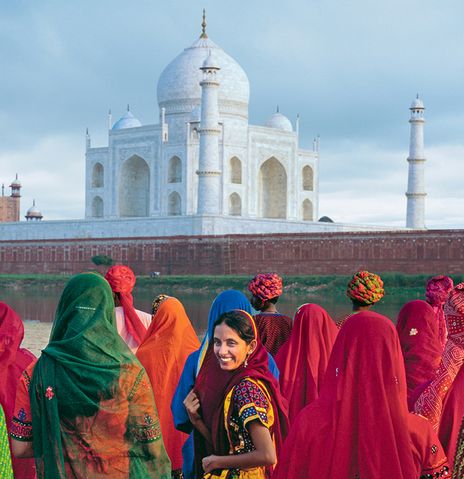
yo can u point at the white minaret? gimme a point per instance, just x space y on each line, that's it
209 169
415 216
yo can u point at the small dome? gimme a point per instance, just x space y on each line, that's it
279 122
33 212
325 219
417 104
211 62
127 121
15 183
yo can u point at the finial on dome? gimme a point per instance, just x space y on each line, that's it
128 107
277 109
203 26
417 96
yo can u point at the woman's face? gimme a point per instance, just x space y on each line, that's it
230 349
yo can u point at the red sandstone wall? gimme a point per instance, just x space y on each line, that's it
433 252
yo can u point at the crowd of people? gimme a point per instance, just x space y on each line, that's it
121 393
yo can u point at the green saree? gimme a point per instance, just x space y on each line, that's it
93 412
6 471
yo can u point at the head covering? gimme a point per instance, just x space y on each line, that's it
13 361
87 375
168 342
266 286
212 386
224 302
365 288
302 360
122 281
6 472
430 402
436 293
418 332
359 425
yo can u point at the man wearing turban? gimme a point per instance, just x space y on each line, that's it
273 328
132 323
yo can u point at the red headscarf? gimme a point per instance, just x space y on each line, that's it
430 402
163 352
266 286
359 425
302 360
122 281
418 332
436 293
13 361
212 386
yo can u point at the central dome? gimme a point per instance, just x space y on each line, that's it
179 88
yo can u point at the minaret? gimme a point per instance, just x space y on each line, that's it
415 215
209 171
87 139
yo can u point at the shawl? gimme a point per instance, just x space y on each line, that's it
303 359
430 402
418 331
213 385
163 352
84 384
6 472
436 293
453 412
358 425
122 281
13 361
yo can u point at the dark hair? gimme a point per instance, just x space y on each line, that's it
239 322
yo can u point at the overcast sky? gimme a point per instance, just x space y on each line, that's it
349 68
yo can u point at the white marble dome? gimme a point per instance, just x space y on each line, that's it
179 88
279 122
417 104
33 211
128 120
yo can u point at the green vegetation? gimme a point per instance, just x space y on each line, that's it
102 259
396 284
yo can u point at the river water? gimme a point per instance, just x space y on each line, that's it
36 306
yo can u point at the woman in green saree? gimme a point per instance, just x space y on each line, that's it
86 405
6 471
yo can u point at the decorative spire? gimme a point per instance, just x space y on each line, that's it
277 110
128 107
203 26
3 189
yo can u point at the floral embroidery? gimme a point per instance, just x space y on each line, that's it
22 416
413 332
148 419
434 449
49 393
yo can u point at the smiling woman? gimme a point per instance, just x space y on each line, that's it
236 407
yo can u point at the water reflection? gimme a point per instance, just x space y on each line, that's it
39 304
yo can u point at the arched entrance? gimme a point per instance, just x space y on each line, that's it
273 189
134 187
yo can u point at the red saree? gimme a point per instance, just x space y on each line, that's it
212 387
418 331
360 426
163 352
13 361
302 360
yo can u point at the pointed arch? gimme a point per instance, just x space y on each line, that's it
307 208
175 170
308 178
134 187
174 204
235 170
235 205
97 207
97 175
273 189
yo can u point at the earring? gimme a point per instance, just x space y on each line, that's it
245 364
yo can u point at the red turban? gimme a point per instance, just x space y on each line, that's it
122 281
266 286
365 288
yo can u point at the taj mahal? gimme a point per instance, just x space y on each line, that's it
204 169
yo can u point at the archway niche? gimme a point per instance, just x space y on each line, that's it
307 210
235 205
175 170
134 187
308 178
97 207
97 175
174 204
235 170
273 189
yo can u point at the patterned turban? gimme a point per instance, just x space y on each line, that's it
121 278
266 286
437 290
365 288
